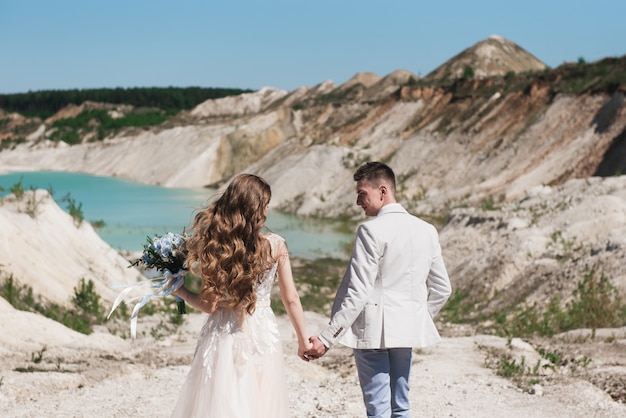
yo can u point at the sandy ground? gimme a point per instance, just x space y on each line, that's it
106 376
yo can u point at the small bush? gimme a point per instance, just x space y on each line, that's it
468 72
75 210
509 367
18 189
86 299
596 303
69 136
86 311
457 308
10 143
98 224
19 296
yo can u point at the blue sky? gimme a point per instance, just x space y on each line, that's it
65 44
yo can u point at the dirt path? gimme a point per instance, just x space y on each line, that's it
143 380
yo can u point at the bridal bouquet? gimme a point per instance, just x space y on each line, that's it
164 254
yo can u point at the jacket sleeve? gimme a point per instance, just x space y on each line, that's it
355 288
438 282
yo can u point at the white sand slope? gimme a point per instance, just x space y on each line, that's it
50 253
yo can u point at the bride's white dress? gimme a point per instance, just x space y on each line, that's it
238 371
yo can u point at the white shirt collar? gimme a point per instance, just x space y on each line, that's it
390 208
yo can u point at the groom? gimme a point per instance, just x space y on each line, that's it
395 284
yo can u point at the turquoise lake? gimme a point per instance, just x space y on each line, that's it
132 211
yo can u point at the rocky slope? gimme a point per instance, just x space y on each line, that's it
539 246
495 55
449 144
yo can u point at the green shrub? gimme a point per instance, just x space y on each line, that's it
468 72
86 308
76 211
68 136
18 189
509 367
19 296
98 224
596 303
86 299
70 130
10 143
457 308
553 357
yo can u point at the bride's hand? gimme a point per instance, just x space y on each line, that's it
181 288
303 348
318 348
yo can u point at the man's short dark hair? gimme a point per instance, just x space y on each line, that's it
375 172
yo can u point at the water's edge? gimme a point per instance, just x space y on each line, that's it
130 212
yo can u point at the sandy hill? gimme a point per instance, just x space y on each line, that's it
43 247
492 56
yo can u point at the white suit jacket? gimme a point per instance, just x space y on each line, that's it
394 286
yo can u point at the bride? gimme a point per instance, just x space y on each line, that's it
238 366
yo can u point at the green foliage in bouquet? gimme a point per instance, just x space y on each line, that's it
165 254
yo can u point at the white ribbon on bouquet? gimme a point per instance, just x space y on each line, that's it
167 284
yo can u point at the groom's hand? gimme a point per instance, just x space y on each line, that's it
303 349
318 350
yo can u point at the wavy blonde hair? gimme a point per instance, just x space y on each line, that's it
226 248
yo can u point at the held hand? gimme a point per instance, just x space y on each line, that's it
172 284
318 349
303 349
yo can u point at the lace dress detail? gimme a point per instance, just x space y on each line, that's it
238 370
